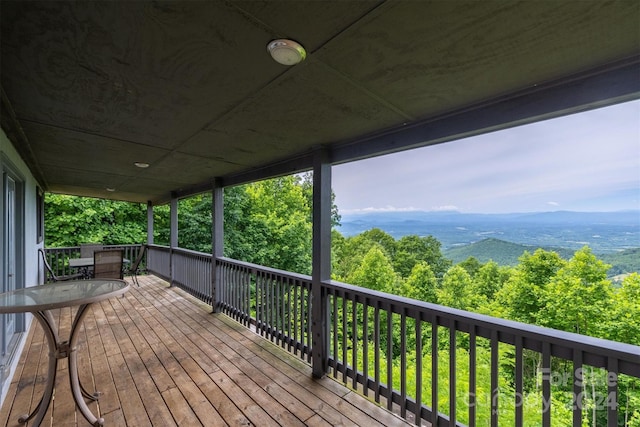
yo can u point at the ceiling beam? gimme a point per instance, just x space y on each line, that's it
617 82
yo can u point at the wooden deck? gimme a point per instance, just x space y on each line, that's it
160 358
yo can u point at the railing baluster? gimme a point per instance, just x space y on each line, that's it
546 384
365 346
344 338
418 377
578 379
389 358
519 393
452 372
297 299
376 333
612 392
495 391
472 377
354 341
403 364
334 318
434 371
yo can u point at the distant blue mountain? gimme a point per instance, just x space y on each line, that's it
602 231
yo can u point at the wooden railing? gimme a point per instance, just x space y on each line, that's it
424 361
58 258
159 261
191 271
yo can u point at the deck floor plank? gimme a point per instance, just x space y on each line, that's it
160 358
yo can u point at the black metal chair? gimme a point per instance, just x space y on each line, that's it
53 276
107 264
134 268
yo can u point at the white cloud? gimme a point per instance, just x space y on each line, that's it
381 209
444 208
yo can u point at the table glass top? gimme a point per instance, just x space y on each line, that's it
60 294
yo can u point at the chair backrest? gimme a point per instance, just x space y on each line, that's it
47 267
107 264
87 249
136 263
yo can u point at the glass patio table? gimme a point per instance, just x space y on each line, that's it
40 300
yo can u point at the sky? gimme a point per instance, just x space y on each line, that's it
583 162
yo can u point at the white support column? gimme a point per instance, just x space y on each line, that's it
149 223
173 232
321 262
217 239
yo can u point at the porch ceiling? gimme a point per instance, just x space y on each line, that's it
89 88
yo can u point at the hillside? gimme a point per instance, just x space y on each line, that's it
500 251
507 253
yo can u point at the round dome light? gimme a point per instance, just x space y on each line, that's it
286 52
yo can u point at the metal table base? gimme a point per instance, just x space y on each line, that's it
61 350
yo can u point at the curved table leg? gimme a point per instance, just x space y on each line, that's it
60 350
77 389
50 331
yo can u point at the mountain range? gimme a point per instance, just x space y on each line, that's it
603 232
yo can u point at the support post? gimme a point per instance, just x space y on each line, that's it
321 261
149 223
217 240
173 232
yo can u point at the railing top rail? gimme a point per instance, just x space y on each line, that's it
283 273
191 252
154 246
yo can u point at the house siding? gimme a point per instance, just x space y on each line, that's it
28 272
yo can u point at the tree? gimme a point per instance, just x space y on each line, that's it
578 298
350 254
267 223
624 323
421 284
410 250
472 265
456 289
194 223
489 279
71 220
521 297
375 272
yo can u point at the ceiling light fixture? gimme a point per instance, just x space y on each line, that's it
141 164
286 52
110 189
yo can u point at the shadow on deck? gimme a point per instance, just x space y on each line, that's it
160 358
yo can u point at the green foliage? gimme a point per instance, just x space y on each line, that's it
500 251
268 223
521 297
375 272
490 278
624 323
350 252
412 249
627 261
578 298
456 289
70 221
194 223
421 284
